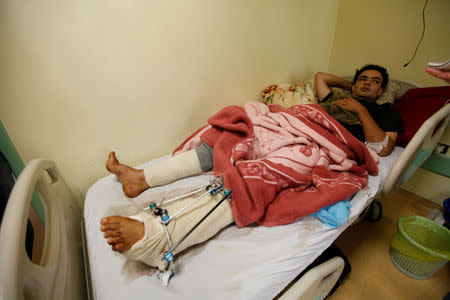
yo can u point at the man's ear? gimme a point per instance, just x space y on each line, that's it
380 92
353 88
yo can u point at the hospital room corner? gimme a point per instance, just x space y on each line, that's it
288 149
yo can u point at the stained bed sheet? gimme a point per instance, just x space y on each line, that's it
254 262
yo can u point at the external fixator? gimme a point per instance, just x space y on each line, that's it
215 187
168 256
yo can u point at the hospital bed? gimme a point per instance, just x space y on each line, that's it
254 262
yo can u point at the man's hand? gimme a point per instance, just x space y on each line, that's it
372 131
441 74
350 104
324 81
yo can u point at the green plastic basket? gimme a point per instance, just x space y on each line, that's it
420 247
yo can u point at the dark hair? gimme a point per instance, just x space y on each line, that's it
378 68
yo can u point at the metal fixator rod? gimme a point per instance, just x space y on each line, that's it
167 220
181 196
168 255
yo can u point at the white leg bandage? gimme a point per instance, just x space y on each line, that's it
179 166
150 249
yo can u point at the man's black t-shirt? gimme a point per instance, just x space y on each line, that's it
383 115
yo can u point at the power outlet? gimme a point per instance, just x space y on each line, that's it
441 148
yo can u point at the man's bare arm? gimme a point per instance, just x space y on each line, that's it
372 132
324 81
375 134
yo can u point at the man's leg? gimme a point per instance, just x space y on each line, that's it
133 180
147 241
188 163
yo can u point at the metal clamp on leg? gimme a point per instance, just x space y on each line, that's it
165 218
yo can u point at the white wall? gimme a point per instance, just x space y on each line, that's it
386 32
81 78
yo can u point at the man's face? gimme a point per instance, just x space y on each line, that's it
368 85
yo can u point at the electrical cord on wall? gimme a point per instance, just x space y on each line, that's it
421 37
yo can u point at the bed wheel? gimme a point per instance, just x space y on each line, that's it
375 211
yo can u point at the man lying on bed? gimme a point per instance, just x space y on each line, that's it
377 125
277 174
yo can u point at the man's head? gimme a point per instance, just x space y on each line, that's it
369 81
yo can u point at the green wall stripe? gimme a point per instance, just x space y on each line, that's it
16 163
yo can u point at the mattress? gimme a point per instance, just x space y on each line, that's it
254 262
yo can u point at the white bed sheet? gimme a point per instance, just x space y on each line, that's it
238 263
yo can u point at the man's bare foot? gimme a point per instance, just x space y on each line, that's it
133 180
122 232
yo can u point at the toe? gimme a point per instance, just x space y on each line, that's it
115 240
112 155
111 220
121 247
111 233
109 226
111 163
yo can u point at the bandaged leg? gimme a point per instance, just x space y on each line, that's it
150 249
179 166
135 181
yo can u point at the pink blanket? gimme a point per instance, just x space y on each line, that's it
283 164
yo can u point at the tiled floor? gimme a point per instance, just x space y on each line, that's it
367 245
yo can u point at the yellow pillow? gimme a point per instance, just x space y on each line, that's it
288 94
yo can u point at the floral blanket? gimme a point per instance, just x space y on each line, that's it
283 164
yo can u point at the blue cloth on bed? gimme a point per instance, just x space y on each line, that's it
335 214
